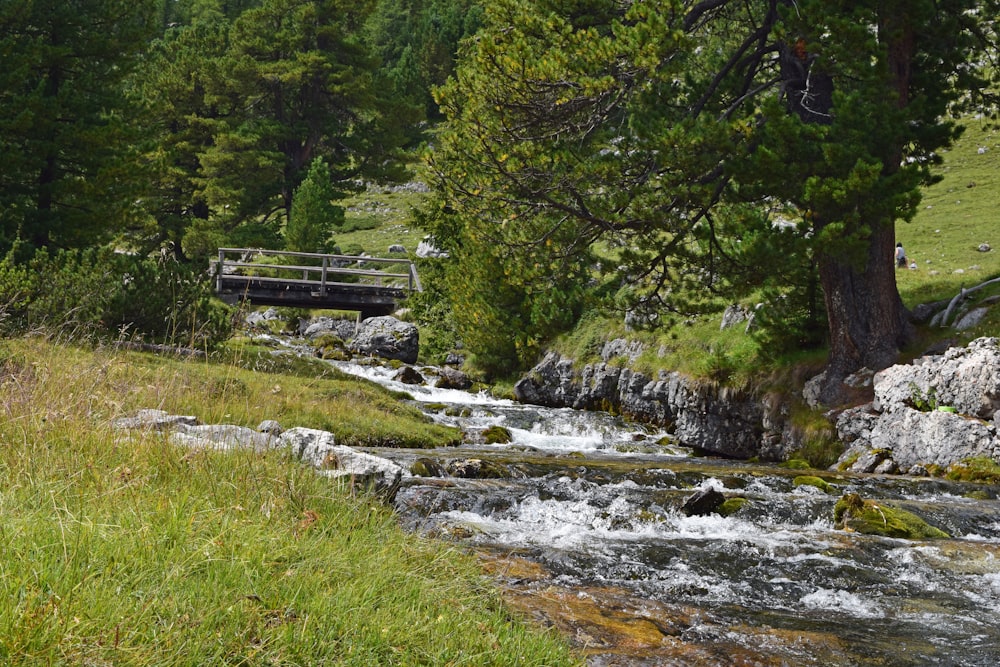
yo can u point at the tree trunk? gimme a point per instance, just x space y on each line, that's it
867 320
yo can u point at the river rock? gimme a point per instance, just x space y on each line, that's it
388 338
450 378
316 327
937 411
409 375
703 502
318 449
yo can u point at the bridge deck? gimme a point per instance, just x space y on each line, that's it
334 282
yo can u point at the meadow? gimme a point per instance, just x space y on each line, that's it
127 550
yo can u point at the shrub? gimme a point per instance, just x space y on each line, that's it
100 294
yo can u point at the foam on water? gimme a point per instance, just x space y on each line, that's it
827 599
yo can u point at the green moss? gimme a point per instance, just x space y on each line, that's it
497 435
980 469
795 464
812 480
870 518
732 505
849 461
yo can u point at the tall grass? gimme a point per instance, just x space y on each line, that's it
122 550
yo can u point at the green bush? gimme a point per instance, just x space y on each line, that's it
100 294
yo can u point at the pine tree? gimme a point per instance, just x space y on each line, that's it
314 216
666 133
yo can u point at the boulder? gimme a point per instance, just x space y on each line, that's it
318 449
936 411
449 378
341 328
388 338
408 375
703 502
870 518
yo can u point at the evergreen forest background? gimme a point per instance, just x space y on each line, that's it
139 137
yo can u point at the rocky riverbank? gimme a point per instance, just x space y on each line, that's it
925 416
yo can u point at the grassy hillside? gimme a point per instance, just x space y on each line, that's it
956 216
133 551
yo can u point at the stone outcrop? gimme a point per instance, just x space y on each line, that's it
937 411
388 338
716 419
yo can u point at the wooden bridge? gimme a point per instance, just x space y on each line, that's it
313 280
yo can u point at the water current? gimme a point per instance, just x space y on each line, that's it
582 529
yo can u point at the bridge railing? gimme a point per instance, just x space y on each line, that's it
316 270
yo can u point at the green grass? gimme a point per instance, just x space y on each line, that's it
955 217
119 551
379 217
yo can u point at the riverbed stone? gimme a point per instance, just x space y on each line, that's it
451 378
702 502
409 375
870 518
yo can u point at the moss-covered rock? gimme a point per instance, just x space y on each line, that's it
812 480
795 464
424 467
980 469
497 435
870 518
732 505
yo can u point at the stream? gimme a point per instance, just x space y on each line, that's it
579 521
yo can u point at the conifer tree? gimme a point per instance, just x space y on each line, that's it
65 125
706 147
314 216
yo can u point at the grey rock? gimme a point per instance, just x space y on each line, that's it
971 319
409 375
454 359
153 420
318 449
449 378
620 347
395 248
343 329
271 427
904 424
984 247
733 315
221 436
257 318
388 338
967 379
